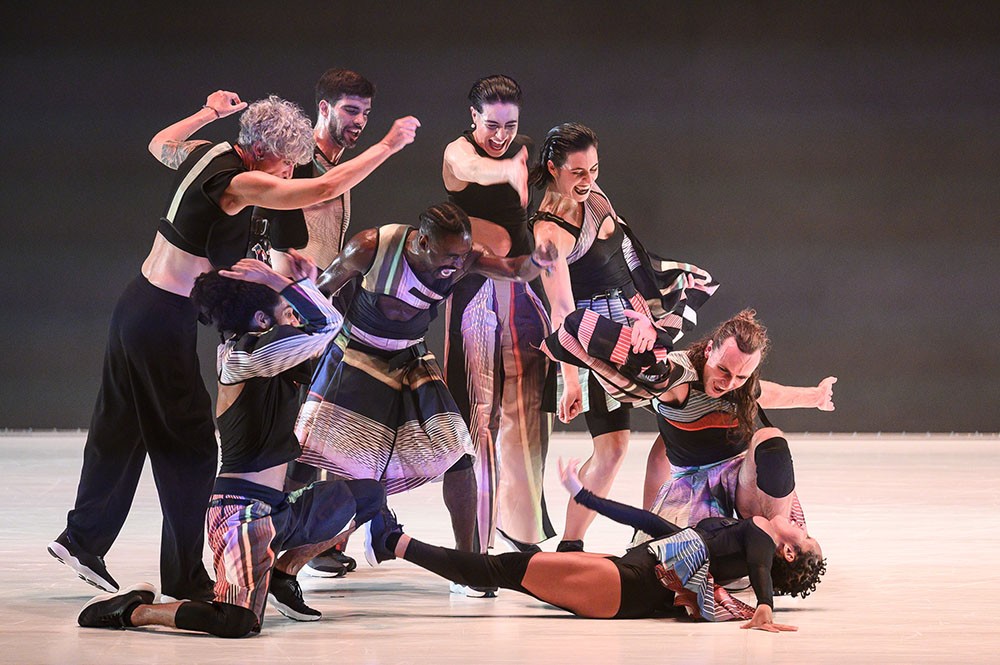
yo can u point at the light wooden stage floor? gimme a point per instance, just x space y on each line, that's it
909 526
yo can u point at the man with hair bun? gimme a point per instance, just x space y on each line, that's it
152 399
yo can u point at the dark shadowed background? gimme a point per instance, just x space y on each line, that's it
836 167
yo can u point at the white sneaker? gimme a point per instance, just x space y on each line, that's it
473 592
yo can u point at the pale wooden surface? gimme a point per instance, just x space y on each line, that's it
909 525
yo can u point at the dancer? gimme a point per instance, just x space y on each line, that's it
603 268
676 569
492 364
377 406
263 355
707 400
152 399
343 103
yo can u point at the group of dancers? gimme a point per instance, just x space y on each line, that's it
329 400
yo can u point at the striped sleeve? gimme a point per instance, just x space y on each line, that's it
282 347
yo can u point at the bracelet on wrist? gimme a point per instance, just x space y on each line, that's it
536 263
217 114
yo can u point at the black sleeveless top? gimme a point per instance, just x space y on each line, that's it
602 268
498 203
193 220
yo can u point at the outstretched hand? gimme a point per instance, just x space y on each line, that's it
824 394
225 103
570 476
545 255
643 331
763 619
301 266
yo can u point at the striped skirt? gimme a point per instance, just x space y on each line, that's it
365 417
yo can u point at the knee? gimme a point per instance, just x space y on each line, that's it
775 474
369 496
237 622
765 433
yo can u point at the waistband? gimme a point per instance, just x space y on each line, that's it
245 489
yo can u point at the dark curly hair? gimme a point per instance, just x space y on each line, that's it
229 304
798 577
750 336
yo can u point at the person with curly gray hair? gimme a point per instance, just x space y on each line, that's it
152 399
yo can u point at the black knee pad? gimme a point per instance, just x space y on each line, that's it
775 475
462 464
219 619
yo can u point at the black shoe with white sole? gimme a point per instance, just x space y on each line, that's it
90 568
114 610
285 595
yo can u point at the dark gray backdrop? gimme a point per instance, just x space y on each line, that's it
834 167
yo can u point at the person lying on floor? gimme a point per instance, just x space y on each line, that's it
677 568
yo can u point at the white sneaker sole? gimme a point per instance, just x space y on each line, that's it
141 586
289 612
469 592
83 572
369 550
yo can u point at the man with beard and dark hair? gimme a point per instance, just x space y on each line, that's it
343 102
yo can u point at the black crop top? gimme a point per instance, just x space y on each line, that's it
736 548
499 203
193 220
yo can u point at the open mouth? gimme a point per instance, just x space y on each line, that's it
446 272
498 146
582 191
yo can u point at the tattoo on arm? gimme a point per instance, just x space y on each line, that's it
173 153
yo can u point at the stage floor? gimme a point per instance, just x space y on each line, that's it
908 523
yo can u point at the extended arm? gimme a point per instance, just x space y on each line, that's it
268 191
463 165
622 513
515 268
170 145
354 260
777 396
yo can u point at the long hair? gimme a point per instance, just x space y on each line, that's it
560 141
278 128
750 336
230 304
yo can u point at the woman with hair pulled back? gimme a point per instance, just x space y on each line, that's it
492 363
603 269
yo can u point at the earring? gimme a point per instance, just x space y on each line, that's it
473 125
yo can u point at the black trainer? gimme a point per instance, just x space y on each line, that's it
518 545
285 595
570 546
114 610
376 531
90 568
331 563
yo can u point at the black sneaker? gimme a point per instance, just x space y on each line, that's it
114 610
90 568
570 546
331 563
517 544
376 531
285 595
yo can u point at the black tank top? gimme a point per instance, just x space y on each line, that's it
498 203
602 268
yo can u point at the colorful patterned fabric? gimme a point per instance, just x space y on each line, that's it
496 374
694 493
364 419
683 569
